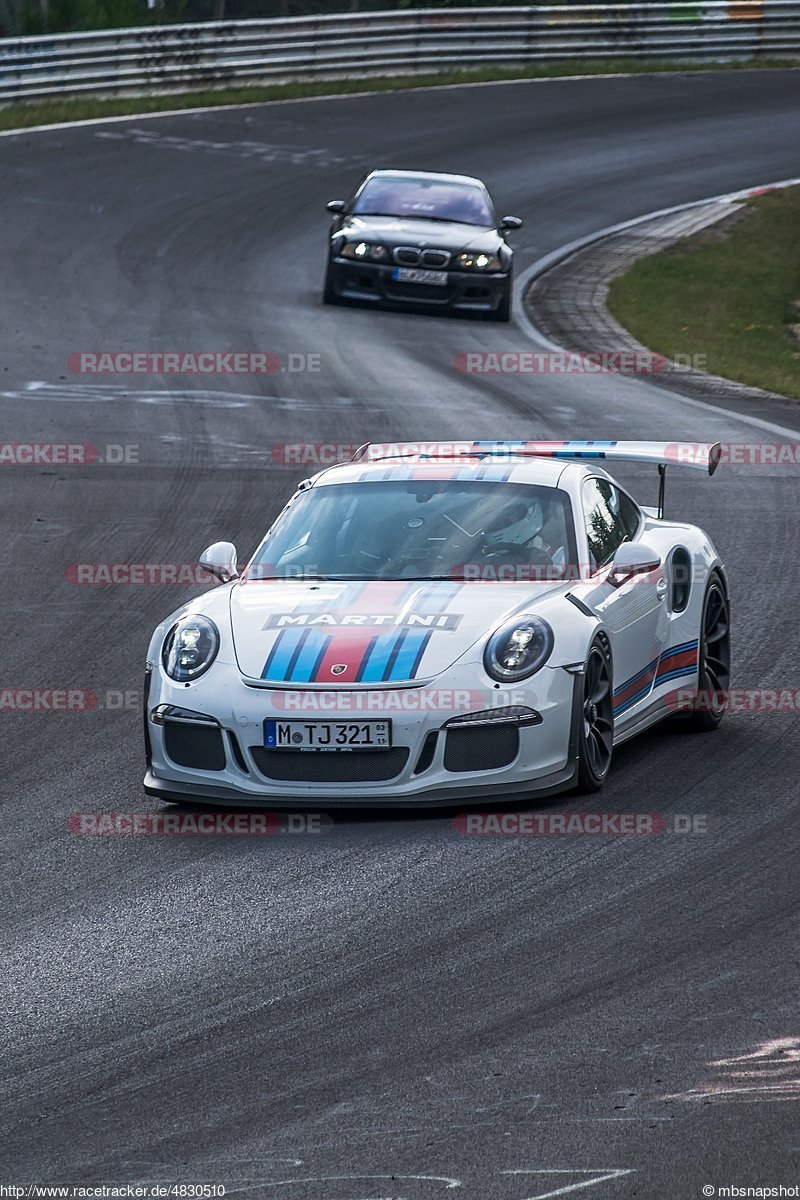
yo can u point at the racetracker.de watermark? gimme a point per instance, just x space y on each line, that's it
68 454
133 574
191 362
398 700
207 823
330 453
577 824
565 362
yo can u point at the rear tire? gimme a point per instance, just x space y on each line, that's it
714 659
596 716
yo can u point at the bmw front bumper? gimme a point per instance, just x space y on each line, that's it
374 282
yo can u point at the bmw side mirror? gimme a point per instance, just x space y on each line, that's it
508 223
336 206
632 558
220 560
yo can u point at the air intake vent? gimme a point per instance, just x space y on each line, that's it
483 748
315 766
197 746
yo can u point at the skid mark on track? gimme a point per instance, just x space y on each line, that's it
769 1073
104 393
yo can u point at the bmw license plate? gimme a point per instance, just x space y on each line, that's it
328 735
418 275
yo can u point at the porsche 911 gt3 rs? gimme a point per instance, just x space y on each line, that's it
484 621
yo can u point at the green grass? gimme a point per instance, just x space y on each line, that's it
730 294
48 112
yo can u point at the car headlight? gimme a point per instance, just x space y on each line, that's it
365 251
190 648
478 262
518 650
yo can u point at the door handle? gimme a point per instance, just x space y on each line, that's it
661 589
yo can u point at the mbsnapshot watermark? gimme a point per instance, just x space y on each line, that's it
576 824
205 823
566 362
192 362
68 454
758 1190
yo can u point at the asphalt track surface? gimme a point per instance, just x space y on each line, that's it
390 1009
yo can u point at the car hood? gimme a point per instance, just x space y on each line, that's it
448 235
341 634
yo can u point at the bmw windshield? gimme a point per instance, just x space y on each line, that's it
429 199
417 529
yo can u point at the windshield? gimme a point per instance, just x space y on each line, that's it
434 200
420 529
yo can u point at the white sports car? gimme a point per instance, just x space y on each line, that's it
440 624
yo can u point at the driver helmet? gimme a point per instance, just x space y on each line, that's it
518 523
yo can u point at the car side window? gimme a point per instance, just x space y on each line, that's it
630 515
606 528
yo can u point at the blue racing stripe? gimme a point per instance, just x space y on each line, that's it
281 654
379 657
408 654
308 656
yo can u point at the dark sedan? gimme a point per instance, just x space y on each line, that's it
421 239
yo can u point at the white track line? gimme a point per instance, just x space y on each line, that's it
432 87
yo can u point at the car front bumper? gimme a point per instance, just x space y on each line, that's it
374 283
431 761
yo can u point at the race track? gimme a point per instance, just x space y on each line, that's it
390 1009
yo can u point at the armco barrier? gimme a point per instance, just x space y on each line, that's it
164 58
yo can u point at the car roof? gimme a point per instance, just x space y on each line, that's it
437 175
547 472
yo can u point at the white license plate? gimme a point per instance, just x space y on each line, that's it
417 275
328 735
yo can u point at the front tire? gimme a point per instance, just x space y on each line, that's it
714 659
503 310
596 716
329 294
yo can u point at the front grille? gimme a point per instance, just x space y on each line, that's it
320 766
407 256
410 256
197 746
435 258
485 748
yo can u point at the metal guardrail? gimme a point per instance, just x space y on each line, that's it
165 58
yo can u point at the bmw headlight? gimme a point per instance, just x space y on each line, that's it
364 251
518 650
478 262
190 648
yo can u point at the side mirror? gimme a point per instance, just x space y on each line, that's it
511 223
632 558
336 206
220 560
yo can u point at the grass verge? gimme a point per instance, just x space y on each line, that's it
730 294
50 112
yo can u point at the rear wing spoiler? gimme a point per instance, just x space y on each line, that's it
702 456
